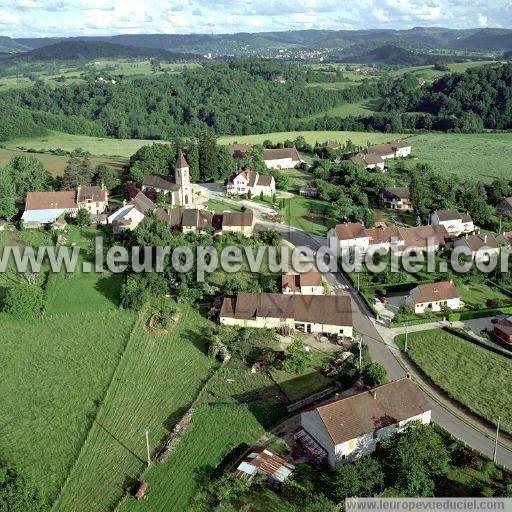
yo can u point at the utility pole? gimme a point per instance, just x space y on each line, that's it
358 281
360 345
496 441
406 335
146 432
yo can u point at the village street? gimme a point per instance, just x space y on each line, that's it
445 412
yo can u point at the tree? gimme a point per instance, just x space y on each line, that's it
298 359
253 160
225 162
18 493
374 374
77 172
7 194
28 175
24 300
282 179
192 156
134 293
106 175
363 477
416 456
208 157
83 217
152 158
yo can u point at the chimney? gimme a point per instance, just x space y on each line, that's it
485 239
124 202
467 236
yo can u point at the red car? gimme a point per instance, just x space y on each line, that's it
382 299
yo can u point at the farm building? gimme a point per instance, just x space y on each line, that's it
278 158
264 462
130 215
316 314
351 427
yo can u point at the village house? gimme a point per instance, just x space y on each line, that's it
44 208
316 314
354 235
264 462
251 183
433 297
455 223
396 198
274 158
328 144
195 220
130 215
94 199
394 149
176 189
504 206
307 283
368 160
480 247
351 427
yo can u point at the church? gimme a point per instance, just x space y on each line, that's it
177 190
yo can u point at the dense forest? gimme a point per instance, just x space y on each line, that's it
233 97
485 92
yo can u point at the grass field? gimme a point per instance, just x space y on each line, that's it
55 372
431 74
54 164
312 215
475 376
475 296
233 411
219 206
296 387
482 156
360 108
156 380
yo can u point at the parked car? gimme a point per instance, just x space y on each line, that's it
382 299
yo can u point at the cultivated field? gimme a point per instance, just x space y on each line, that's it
482 156
156 380
475 376
231 416
55 372
126 147
360 108
54 164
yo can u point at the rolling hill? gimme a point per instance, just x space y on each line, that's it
74 49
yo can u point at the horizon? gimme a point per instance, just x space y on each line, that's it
106 18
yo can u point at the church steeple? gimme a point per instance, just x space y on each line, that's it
182 175
181 163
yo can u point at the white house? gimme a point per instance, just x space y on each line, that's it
281 158
351 427
130 215
455 223
316 314
480 247
397 198
307 283
433 297
394 149
369 160
246 181
353 235
177 190
278 158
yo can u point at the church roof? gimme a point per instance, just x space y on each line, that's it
181 162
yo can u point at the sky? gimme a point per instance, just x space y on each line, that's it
45 18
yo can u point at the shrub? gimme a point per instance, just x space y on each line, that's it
83 217
297 360
24 300
374 374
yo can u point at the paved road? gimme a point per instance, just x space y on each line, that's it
445 412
